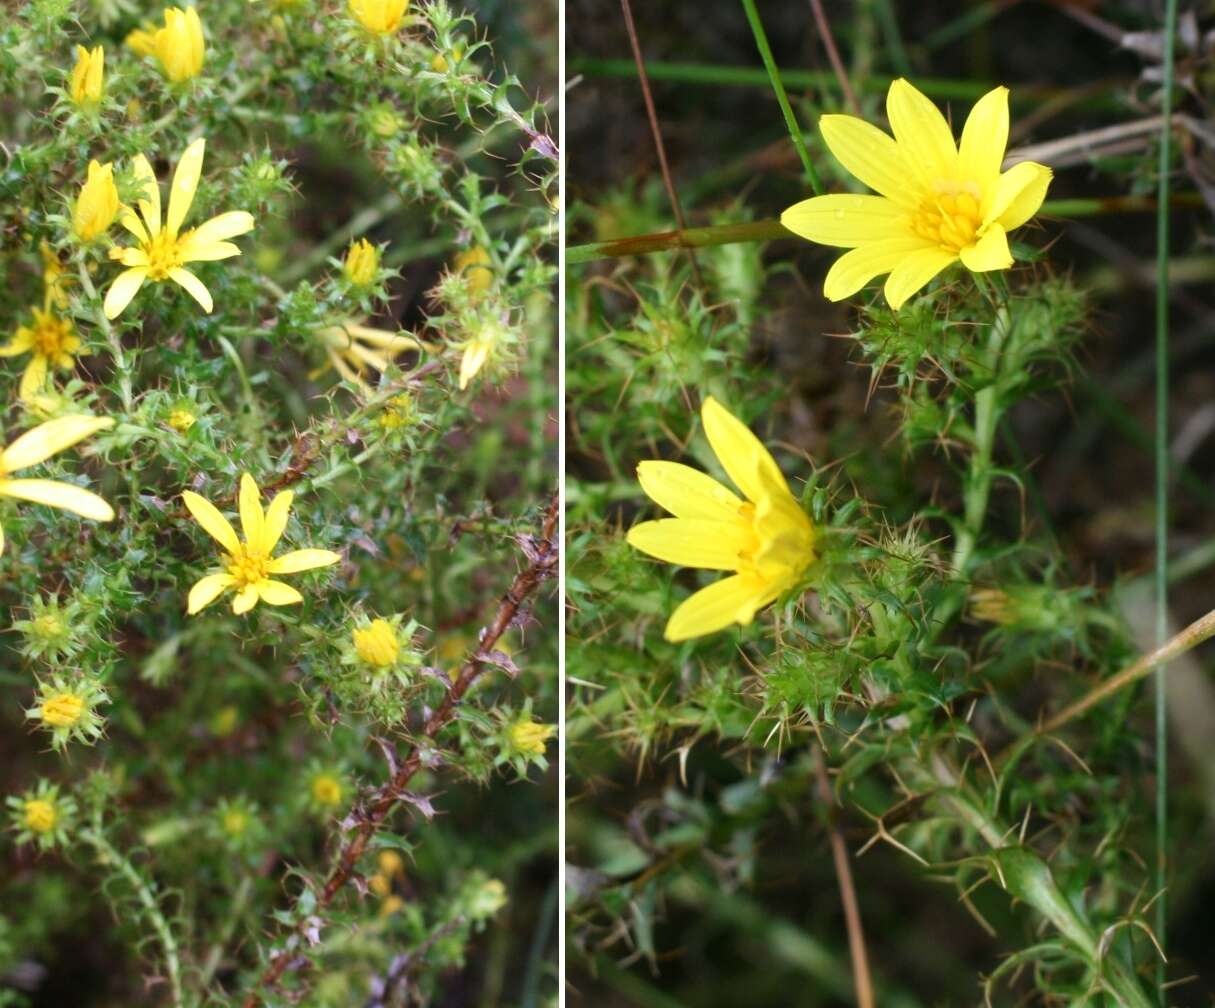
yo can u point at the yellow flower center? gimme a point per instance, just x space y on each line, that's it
234 822
326 790
377 643
529 737
62 710
780 542
40 815
950 216
181 420
53 336
164 254
248 566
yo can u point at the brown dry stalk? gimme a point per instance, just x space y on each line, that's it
833 55
542 555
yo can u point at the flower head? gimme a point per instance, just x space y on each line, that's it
362 263
39 444
380 17
475 265
248 565
178 45
354 349
161 252
68 710
51 341
326 789
41 816
937 201
181 419
84 85
529 737
97 205
766 538
377 643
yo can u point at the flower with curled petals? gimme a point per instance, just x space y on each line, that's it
765 537
247 566
938 202
162 251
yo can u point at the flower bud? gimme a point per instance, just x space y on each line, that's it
362 263
179 45
84 86
377 643
97 205
381 17
475 265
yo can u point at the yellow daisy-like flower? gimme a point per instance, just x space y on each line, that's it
179 45
51 342
97 205
353 349
39 444
247 565
84 84
163 251
938 202
766 539
362 263
380 17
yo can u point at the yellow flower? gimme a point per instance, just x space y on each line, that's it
36 446
97 205
362 263
379 884
62 710
234 822
248 565
179 45
51 341
393 904
399 411
353 348
474 263
181 420
377 643
529 736
84 85
326 789
142 40
938 202
40 816
162 251
390 863
55 278
766 539
381 17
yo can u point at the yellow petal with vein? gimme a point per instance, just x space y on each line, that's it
913 272
65 496
687 492
870 155
49 439
923 135
302 560
989 253
984 139
855 268
277 593
731 600
206 591
692 542
215 524
846 220
737 449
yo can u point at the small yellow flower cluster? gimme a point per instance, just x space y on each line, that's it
379 17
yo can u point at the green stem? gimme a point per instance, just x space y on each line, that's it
1162 488
103 323
782 99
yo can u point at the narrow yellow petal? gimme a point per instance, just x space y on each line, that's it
245 600
277 593
846 220
206 591
923 135
276 520
33 378
49 439
193 286
185 184
870 155
739 451
855 268
129 219
984 139
913 272
125 286
302 560
215 524
989 253
64 496
252 518
691 542
192 251
731 600
687 492
222 227
1021 190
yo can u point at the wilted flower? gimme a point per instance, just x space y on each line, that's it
766 539
353 349
938 201
85 83
179 45
381 17
97 205
362 263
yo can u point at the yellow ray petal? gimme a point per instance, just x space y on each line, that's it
130 220
687 492
302 560
692 542
22 342
215 524
149 199
185 184
855 268
193 286
731 600
245 600
913 272
738 450
64 496
277 593
1028 188
870 155
192 251
222 227
474 358
984 139
252 517
206 591
33 378
846 220
49 439
989 253
125 286
276 520
922 133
